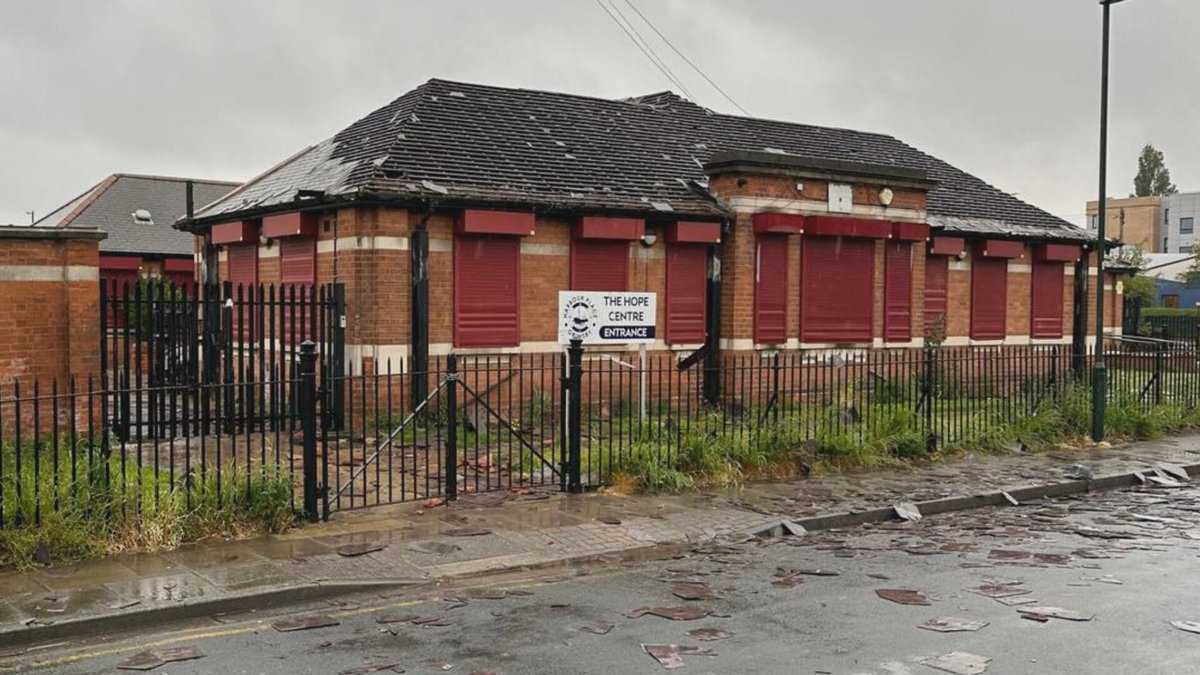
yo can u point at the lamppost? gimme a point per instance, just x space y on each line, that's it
1099 372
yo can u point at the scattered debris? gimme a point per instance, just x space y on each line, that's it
671 656
434 501
434 547
959 663
304 623
609 520
685 613
1189 626
944 624
785 528
1055 613
902 597
487 593
709 634
693 590
437 664
1011 499
1016 600
122 604
598 628
355 550
907 511
995 590
1006 554
160 657
467 532
1052 558
1078 472
373 668
396 618
1173 471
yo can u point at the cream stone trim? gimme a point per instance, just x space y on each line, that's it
368 243
441 245
748 204
642 253
544 249
266 252
960 265
49 273
1020 268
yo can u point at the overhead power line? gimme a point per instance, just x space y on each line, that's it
685 58
631 32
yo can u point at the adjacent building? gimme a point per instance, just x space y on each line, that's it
136 213
480 203
1157 224
1136 221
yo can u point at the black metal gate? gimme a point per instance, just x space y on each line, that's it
159 340
489 424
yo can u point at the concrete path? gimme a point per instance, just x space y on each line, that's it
493 533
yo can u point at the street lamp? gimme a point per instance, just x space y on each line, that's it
1099 373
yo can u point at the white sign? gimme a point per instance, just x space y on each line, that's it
603 318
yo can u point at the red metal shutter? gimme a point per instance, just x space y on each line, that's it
937 283
770 289
837 299
298 260
989 298
297 275
1046 308
897 303
487 291
599 265
243 273
243 264
687 277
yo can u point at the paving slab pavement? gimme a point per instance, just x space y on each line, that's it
522 532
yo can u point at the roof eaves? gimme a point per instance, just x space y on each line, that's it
95 192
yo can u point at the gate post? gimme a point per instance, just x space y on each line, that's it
337 356
451 467
1159 348
574 433
930 436
307 410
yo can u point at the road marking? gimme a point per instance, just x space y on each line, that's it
260 624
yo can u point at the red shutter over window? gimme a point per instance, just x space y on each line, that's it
297 274
1046 308
243 274
687 278
770 289
599 265
243 264
298 260
897 313
989 298
837 297
486 291
937 283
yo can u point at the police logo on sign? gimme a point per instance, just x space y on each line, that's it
579 317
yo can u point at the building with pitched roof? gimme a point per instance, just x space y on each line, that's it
137 213
481 203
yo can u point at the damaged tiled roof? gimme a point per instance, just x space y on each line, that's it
110 204
646 154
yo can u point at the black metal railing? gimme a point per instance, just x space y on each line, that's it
519 423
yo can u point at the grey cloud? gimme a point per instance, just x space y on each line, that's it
1006 89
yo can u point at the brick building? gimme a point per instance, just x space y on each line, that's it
137 212
755 234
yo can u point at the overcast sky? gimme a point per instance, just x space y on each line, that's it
1006 89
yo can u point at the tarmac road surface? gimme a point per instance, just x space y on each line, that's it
1125 561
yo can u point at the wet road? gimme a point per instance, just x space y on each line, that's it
1126 560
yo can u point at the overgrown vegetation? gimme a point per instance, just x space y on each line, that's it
709 457
81 505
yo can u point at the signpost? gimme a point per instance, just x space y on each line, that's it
601 318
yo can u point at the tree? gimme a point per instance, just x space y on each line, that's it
1191 276
1152 179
